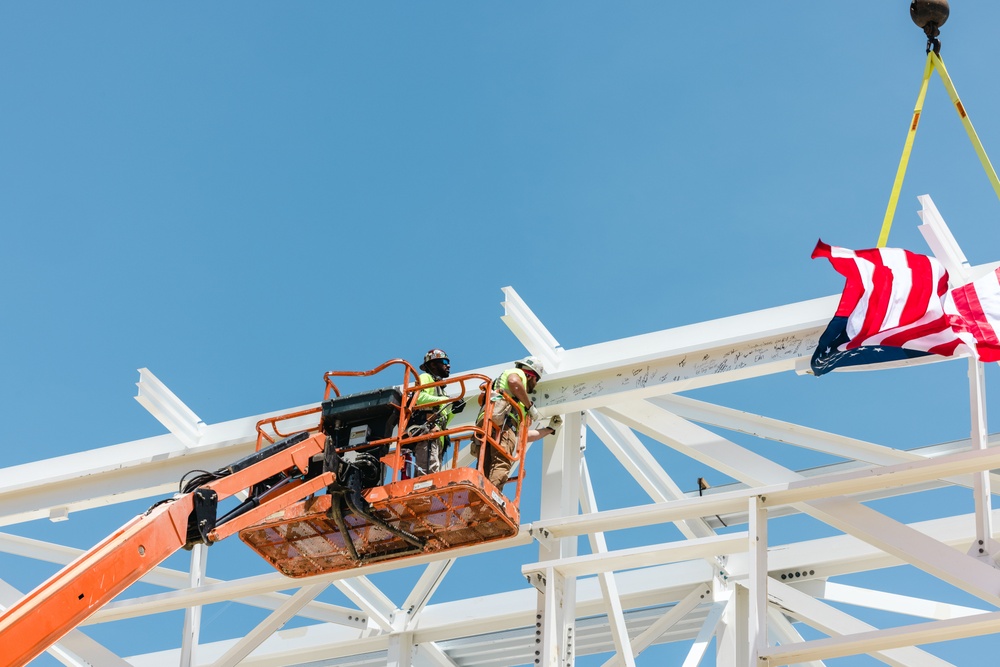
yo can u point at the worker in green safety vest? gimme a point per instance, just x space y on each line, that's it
518 383
428 452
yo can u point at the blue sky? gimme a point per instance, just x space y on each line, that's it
240 196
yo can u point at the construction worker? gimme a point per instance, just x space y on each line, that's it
516 382
427 452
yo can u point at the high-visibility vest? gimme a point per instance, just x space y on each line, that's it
502 385
432 395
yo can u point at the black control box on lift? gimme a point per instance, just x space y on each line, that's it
355 420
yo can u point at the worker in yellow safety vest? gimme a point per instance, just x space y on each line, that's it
428 452
517 383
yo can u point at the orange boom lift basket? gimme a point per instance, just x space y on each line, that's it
376 509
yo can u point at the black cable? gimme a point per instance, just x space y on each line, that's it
200 480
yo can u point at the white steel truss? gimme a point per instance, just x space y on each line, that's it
696 566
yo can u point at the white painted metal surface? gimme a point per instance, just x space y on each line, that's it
681 577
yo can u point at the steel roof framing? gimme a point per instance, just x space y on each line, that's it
712 581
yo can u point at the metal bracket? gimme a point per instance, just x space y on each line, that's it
987 551
544 538
203 516
536 579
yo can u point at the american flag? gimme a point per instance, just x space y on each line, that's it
895 306
979 305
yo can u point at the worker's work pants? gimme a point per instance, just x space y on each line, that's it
496 467
427 456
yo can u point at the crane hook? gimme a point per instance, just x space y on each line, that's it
930 15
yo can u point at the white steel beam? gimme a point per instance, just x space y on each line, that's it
644 468
732 638
641 588
845 554
561 465
646 556
192 615
723 350
400 650
762 342
130 471
780 431
269 583
119 473
785 633
799 490
799 436
941 241
969 574
891 602
659 626
369 599
944 246
683 581
430 654
78 650
528 329
984 547
555 646
609 589
965 572
757 581
176 579
698 355
268 626
168 409
708 629
882 644
619 372
700 444
422 591
887 641
757 343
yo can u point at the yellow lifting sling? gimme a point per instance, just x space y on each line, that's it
934 63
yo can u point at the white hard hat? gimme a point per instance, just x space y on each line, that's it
531 363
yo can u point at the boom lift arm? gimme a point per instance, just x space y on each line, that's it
64 601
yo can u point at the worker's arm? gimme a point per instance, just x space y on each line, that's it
517 387
520 392
539 433
430 394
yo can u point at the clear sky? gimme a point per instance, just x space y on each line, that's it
243 195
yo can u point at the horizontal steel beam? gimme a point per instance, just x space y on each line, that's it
880 640
647 556
758 343
698 355
772 495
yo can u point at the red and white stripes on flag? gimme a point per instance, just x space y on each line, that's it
896 298
978 303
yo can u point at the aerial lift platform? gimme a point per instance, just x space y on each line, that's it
335 495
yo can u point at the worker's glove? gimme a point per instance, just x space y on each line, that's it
555 423
533 413
458 406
